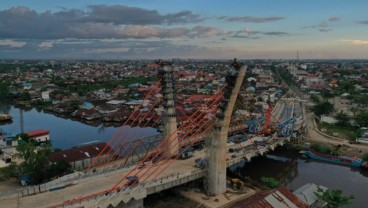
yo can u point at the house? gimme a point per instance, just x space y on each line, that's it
363 138
306 193
45 95
88 114
276 198
26 85
314 83
115 103
40 135
82 156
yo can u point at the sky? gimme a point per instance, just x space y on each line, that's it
197 29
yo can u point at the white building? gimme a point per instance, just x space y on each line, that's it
39 135
45 95
306 194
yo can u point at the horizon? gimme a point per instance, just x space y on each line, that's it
208 29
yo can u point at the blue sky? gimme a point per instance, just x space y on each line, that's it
213 29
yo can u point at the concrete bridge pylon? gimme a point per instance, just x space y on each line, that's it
216 177
171 144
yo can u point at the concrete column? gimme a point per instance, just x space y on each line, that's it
171 146
217 148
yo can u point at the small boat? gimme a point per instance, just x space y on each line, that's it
364 166
342 160
5 117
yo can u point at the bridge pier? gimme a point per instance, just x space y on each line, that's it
217 147
171 143
138 203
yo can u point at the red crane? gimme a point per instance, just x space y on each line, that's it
266 127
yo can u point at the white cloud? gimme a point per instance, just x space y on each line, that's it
46 45
107 50
12 43
356 42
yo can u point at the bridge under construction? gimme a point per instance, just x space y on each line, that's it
126 171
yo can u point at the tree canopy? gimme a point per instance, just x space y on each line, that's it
333 198
270 183
361 118
342 119
323 108
37 165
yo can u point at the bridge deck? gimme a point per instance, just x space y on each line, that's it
102 182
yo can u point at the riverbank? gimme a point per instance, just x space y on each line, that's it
313 135
293 171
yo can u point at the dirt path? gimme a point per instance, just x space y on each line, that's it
314 136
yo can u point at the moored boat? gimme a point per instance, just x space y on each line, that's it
364 166
5 117
342 160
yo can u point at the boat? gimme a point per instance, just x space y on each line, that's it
364 167
342 160
5 117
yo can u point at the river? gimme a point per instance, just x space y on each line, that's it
294 172
65 132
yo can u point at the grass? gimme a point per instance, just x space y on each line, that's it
345 132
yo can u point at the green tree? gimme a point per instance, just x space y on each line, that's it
270 183
342 119
333 198
323 108
10 171
315 99
346 86
23 136
36 162
361 100
4 88
61 167
25 96
354 110
362 119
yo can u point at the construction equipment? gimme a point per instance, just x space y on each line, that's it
237 185
267 128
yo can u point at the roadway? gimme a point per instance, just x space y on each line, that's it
179 169
103 182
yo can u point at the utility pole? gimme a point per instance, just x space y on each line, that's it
21 120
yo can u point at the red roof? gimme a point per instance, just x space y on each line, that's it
272 199
199 97
38 132
80 153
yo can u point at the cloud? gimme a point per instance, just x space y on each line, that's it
46 45
12 43
252 19
137 16
276 33
356 42
205 32
334 19
364 22
248 33
106 50
325 30
100 22
245 37
322 27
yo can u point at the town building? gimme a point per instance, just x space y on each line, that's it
82 156
40 135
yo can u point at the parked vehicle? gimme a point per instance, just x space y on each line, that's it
132 180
